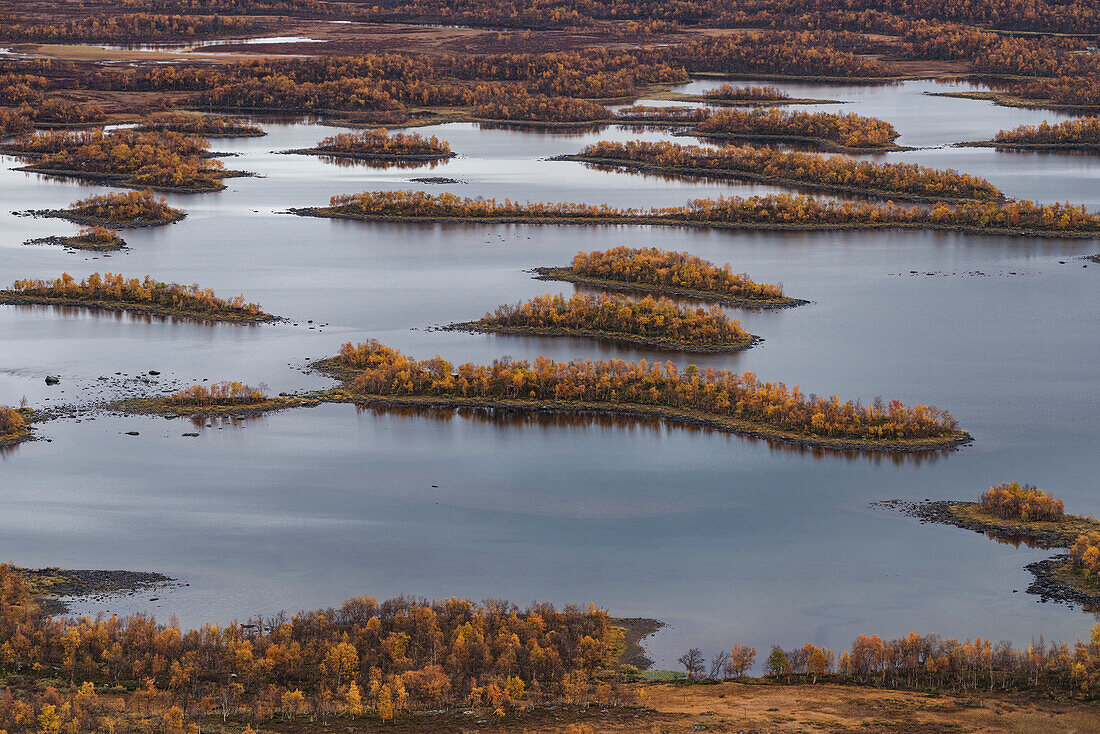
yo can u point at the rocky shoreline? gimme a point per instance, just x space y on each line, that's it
55 588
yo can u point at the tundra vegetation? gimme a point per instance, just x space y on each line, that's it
668 273
1080 133
726 400
838 132
649 321
113 291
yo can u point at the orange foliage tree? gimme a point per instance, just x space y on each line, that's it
1012 501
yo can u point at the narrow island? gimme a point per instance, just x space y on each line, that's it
93 238
1013 513
14 426
791 168
772 212
647 115
207 126
380 145
221 398
850 133
113 292
516 106
1078 134
746 96
160 160
374 374
129 210
667 273
647 322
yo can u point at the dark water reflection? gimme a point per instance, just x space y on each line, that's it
728 538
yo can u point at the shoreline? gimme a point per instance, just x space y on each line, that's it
568 275
1066 147
481 326
744 175
100 222
77 242
387 157
642 219
125 180
54 588
1055 577
18 299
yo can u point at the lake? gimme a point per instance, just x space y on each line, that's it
728 539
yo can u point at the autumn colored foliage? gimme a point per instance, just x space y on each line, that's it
381 142
807 169
850 130
718 393
211 126
116 289
524 107
659 320
1081 132
158 159
674 269
1011 501
1085 553
135 207
96 236
384 658
730 93
11 420
219 393
775 211
796 53
124 27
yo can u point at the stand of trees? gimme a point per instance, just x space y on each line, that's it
382 658
124 28
710 392
159 159
645 113
795 168
116 289
1011 501
135 207
1081 132
219 393
676 269
208 126
522 107
382 142
11 421
850 130
782 210
660 320
729 93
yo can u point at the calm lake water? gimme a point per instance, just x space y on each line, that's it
729 540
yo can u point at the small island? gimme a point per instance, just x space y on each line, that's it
747 96
94 238
1023 514
113 292
647 115
791 168
1078 134
14 425
130 210
160 160
208 126
374 374
647 322
380 145
845 133
221 398
666 273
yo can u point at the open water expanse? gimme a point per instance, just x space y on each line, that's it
728 539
